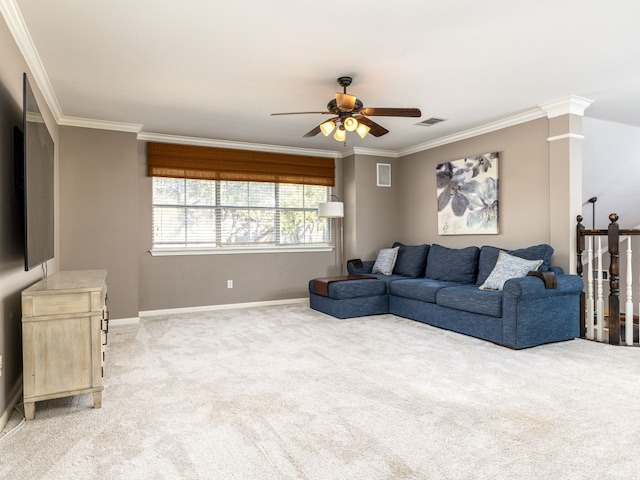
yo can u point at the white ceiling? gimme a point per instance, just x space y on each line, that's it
218 69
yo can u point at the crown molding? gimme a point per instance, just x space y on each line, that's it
18 29
524 117
569 105
100 124
253 147
374 152
564 136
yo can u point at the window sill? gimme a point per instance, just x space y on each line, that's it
164 252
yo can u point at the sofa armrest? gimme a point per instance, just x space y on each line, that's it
358 267
532 287
533 314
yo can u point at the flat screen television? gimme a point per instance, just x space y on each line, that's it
35 176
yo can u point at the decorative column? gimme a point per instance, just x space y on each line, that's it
565 179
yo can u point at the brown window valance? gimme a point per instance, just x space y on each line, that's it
210 163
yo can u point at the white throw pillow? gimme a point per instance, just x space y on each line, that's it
508 267
386 261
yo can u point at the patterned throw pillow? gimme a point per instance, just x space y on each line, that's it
508 267
489 257
385 261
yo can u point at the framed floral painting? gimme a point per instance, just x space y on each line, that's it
467 192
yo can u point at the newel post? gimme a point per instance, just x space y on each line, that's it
579 250
614 280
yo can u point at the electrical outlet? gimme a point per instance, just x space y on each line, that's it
229 283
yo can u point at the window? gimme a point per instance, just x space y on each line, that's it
217 214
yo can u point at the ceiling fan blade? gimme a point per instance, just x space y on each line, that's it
300 113
313 132
391 112
376 130
345 102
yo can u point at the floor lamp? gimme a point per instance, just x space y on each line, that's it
334 210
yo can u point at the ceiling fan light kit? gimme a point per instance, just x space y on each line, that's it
352 116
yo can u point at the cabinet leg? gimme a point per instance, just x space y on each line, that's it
29 411
97 399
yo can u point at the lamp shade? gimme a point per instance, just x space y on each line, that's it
362 130
350 124
327 127
340 134
331 210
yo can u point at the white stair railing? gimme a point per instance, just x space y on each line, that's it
600 297
590 304
593 302
628 307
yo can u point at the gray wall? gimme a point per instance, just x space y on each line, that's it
201 280
349 197
524 174
106 223
407 211
99 170
99 210
13 278
372 214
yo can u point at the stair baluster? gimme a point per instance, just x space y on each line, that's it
600 296
590 305
628 308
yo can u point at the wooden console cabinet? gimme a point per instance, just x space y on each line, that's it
64 333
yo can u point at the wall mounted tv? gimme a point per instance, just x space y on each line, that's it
35 176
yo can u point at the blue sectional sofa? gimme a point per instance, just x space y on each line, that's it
442 287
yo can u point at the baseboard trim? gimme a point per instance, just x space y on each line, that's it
14 401
229 306
116 322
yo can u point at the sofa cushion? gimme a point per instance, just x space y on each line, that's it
411 260
508 267
489 257
471 299
452 264
389 279
421 289
386 261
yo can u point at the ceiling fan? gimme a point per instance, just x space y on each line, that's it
351 115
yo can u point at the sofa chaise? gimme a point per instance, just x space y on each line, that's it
483 292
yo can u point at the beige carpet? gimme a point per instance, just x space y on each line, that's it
288 393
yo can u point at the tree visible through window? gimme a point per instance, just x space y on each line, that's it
216 214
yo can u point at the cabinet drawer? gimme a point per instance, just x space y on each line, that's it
67 303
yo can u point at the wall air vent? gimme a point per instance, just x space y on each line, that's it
430 121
